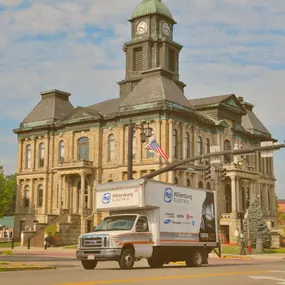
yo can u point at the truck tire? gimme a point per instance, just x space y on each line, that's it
89 264
155 262
127 259
195 259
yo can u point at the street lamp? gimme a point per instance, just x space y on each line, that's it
145 133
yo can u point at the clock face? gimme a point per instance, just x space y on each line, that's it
141 27
166 29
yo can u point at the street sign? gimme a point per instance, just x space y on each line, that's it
215 159
266 153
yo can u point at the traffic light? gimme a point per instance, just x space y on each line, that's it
207 172
223 173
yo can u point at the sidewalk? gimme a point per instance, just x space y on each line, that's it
50 251
66 252
265 256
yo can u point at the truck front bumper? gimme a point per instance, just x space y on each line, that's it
99 255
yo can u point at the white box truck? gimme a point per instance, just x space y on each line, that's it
148 219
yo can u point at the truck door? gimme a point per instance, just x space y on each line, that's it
143 238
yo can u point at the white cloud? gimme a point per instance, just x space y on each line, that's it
230 46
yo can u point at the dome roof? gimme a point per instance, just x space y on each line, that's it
148 7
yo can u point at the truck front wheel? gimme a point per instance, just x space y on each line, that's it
89 264
195 259
127 259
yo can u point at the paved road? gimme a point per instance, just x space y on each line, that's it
218 272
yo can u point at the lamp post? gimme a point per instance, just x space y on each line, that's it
145 133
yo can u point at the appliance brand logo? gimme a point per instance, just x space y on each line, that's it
106 198
167 221
168 195
188 217
180 216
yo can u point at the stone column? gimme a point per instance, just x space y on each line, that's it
90 198
252 191
20 155
238 190
32 202
34 154
183 142
233 188
82 193
122 144
158 137
266 199
170 173
60 192
18 196
75 199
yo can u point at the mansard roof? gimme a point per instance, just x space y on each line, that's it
252 123
156 86
53 106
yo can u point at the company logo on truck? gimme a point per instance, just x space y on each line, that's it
167 221
168 195
106 198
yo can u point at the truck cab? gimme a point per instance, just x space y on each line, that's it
120 237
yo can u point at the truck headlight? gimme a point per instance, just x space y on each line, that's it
114 242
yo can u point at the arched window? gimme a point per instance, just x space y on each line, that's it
228 197
227 146
41 155
200 185
61 151
26 200
28 156
111 148
174 143
187 145
207 146
208 186
188 182
199 145
83 149
40 196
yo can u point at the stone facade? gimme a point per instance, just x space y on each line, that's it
64 152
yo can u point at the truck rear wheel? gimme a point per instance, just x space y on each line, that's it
89 264
195 259
155 262
127 259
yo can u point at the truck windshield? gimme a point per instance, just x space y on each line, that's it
116 223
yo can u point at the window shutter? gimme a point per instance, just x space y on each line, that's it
138 59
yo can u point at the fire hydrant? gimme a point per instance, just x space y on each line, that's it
249 249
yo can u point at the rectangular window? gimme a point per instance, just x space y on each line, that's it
138 59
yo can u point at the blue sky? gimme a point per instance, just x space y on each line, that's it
230 46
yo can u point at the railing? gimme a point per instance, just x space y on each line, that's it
76 163
38 238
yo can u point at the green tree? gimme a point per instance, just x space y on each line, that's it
8 187
258 229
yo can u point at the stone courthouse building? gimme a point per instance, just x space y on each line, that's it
65 151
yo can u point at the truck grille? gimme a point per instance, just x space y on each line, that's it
97 242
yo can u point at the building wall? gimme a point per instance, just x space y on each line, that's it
255 175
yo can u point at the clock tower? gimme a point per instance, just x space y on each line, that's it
151 46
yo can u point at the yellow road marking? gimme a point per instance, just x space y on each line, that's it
159 278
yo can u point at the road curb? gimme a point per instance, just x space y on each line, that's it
13 267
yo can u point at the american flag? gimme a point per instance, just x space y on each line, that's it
157 148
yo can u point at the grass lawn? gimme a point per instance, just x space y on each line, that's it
233 249
8 244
